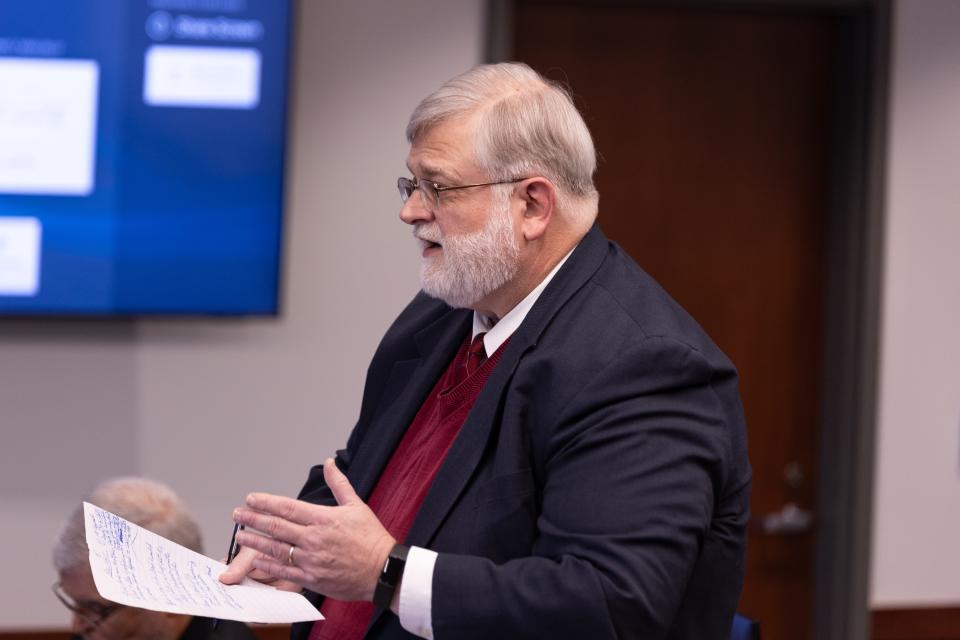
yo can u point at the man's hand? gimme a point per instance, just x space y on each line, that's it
338 551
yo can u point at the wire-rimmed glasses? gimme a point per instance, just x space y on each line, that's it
93 613
430 191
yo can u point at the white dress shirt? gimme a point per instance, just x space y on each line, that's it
416 588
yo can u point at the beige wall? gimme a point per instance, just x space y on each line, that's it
917 490
221 407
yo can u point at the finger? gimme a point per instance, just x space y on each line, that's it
273 526
241 566
338 483
282 571
286 585
296 511
273 548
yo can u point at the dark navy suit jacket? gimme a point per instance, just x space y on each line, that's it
598 488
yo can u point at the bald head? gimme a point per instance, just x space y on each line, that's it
147 503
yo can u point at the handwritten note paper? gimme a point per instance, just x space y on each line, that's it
136 567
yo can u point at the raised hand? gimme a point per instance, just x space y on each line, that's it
337 551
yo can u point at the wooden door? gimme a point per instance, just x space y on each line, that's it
713 129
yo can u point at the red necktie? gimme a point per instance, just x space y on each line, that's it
476 354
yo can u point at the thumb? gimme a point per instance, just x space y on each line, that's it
241 566
338 483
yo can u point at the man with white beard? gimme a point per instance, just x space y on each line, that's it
548 445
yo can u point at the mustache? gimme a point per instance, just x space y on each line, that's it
428 233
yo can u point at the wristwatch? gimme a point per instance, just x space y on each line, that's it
390 576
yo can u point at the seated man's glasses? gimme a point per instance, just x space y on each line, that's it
93 613
430 191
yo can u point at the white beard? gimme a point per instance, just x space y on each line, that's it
470 266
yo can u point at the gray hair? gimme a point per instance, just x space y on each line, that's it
147 503
525 124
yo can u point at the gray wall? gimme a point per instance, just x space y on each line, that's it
219 408
917 489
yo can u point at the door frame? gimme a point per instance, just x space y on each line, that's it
852 291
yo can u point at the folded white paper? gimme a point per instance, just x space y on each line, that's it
136 567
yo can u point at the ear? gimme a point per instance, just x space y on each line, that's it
539 197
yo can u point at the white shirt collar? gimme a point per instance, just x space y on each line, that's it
497 334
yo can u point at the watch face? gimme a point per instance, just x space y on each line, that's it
390 576
393 569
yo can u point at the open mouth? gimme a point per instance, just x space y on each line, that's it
427 245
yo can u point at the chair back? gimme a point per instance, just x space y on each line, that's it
744 628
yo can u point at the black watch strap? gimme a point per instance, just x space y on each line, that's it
390 576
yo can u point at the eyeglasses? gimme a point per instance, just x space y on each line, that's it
93 612
430 191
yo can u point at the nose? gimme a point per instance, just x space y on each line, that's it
413 211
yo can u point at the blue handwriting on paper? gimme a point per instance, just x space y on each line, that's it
178 581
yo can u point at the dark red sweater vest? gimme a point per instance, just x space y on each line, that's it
404 483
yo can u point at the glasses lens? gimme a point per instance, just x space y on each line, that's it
406 187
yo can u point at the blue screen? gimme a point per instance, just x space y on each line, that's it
141 156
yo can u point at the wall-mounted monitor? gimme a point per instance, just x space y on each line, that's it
142 156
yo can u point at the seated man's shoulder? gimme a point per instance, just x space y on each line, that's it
207 629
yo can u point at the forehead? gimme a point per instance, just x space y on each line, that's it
444 151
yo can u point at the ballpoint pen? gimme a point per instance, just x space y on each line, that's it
232 552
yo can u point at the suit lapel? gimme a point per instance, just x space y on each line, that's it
467 449
406 388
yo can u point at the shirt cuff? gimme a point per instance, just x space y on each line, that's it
416 592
